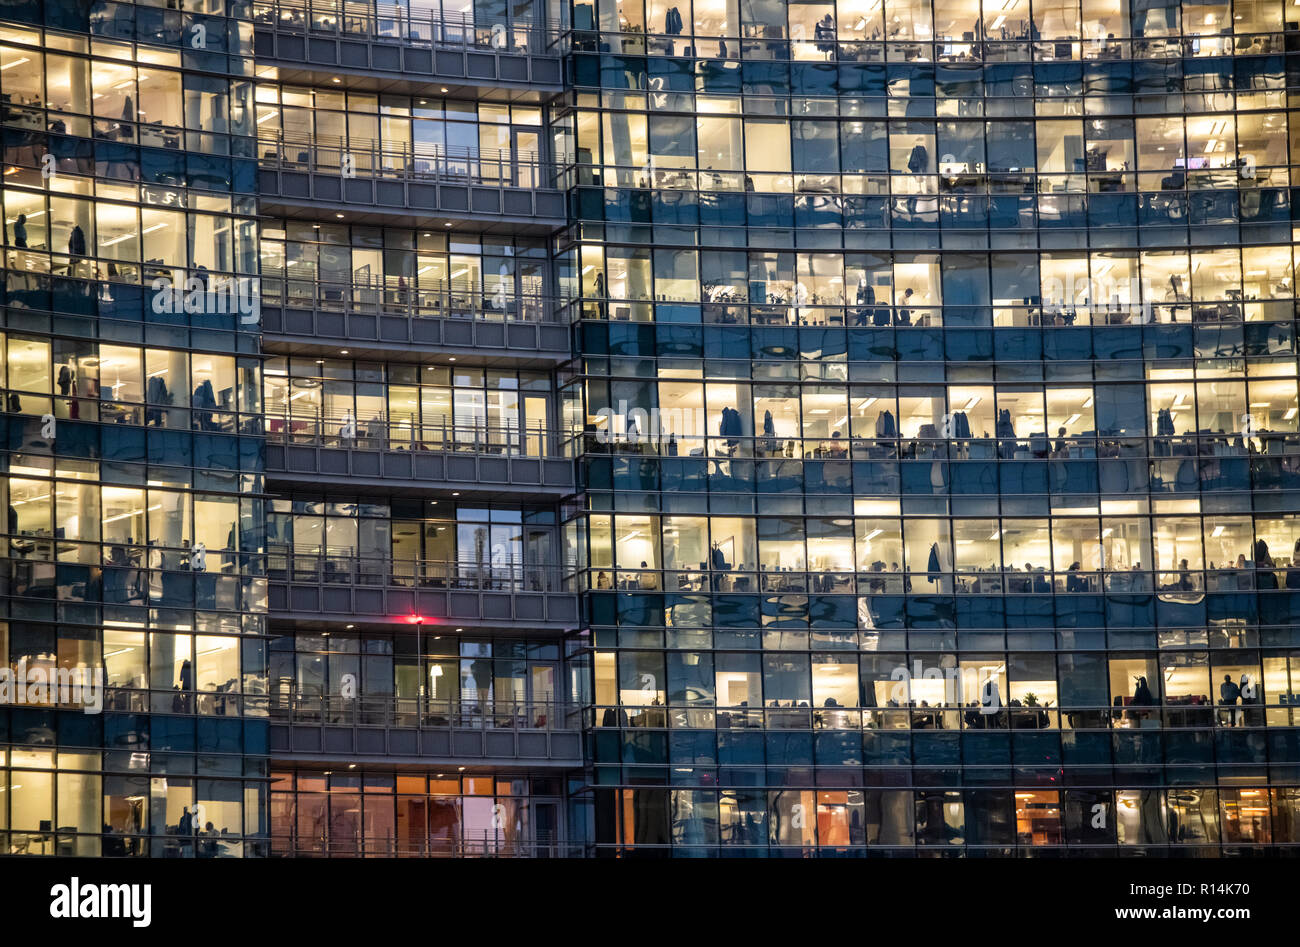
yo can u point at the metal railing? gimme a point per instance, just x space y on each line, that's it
300 706
292 844
349 157
904 188
380 21
209 698
174 416
396 296
344 567
143 561
458 437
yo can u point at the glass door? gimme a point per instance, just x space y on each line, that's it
541 695
524 148
535 424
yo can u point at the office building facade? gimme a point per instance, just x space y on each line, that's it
651 428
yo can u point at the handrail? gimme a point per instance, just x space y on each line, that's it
31 546
431 846
290 702
439 297
380 433
412 162
343 566
432 27
392 295
372 146
207 699
1176 184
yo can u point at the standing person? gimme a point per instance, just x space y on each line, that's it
1228 694
1142 694
20 232
1293 570
730 428
824 34
919 159
905 314
77 242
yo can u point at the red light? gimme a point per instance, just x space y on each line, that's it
415 619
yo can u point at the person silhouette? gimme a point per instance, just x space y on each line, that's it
1228 694
1142 696
77 242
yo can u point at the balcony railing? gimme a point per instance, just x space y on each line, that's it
394 295
299 706
412 435
486 845
406 162
130 563
391 21
344 567
209 699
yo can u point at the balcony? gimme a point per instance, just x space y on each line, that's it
470 459
489 845
307 727
328 587
498 191
402 50
383 318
